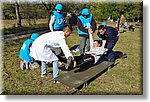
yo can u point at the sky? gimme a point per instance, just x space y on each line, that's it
10 1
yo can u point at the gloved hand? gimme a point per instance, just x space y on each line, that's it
106 50
69 62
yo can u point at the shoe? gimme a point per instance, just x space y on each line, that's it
55 82
43 75
34 65
124 55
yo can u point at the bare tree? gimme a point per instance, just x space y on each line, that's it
18 14
49 6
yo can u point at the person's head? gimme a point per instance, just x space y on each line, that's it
85 12
104 23
58 8
102 29
96 43
34 36
67 31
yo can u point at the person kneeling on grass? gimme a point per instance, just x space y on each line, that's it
109 37
44 49
131 27
25 59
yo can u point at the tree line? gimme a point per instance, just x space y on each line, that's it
133 11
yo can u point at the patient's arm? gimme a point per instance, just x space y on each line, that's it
88 52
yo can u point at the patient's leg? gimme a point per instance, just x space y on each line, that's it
84 60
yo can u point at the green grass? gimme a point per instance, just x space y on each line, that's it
124 78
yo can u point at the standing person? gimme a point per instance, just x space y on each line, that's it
44 47
118 22
109 36
24 56
86 24
122 20
57 19
125 26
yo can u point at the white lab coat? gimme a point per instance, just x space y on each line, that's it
43 46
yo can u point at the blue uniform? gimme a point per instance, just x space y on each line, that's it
86 23
111 37
118 20
25 51
59 21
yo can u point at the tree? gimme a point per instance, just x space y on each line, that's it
49 7
18 14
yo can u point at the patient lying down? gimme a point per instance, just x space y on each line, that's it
91 57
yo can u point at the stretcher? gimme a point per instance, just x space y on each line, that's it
79 78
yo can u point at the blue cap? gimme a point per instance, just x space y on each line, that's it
34 36
85 11
104 23
58 7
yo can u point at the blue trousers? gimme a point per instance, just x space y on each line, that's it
55 68
111 55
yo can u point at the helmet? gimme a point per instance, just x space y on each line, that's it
104 23
85 11
34 36
58 7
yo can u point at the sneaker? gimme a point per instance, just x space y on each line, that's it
43 75
124 55
55 82
34 65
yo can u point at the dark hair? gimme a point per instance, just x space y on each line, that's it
97 41
101 27
69 26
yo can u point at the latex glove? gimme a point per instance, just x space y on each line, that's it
69 62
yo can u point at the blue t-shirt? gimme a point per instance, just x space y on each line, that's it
25 51
118 19
59 20
86 23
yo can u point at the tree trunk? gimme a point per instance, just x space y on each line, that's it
18 14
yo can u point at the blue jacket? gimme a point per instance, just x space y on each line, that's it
25 51
59 20
111 37
86 23
118 19
111 34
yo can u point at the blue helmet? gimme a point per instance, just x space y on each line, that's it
85 11
34 36
58 7
104 23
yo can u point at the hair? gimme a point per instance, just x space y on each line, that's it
101 27
68 27
97 41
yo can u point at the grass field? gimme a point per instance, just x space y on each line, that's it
125 78
10 28
12 23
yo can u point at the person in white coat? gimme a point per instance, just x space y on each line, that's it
47 46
